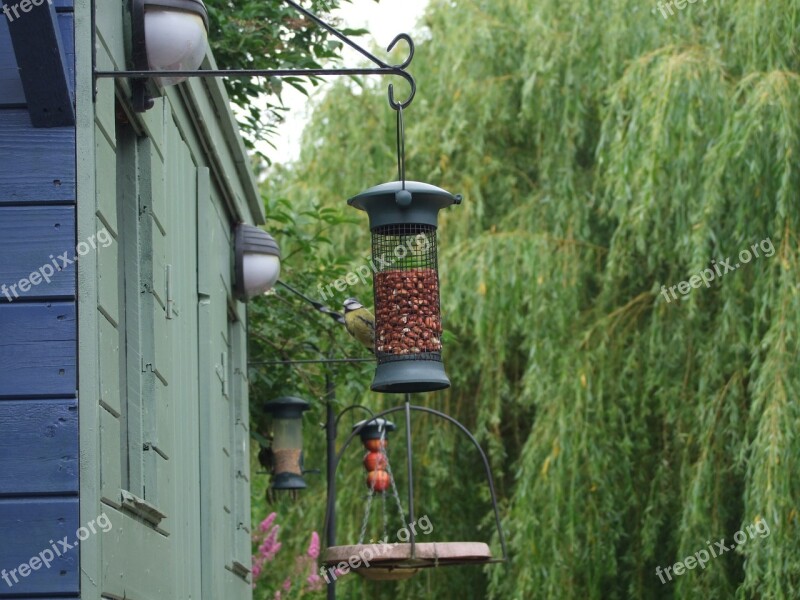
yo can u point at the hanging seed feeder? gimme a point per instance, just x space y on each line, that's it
403 218
287 442
375 437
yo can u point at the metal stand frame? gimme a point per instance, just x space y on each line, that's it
333 458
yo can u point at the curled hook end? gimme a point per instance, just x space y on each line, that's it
400 70
407 39
405 104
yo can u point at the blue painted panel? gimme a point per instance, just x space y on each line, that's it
31 523
37 350
11 93
66 25
39 49
43 160
33 240
38 447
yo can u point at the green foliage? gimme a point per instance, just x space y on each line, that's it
603 151
253 34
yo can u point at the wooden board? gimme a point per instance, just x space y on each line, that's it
39 50
32 523
38 447
43 161
29 237
37 350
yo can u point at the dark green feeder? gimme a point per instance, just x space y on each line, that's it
287 442
403 218
375 429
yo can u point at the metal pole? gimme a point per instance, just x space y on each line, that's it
330 430
411 517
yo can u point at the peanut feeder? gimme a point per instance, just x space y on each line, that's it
403 218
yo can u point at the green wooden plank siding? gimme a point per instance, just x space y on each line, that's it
169 419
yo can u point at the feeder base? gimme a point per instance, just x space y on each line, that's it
288 481
396 563
410 376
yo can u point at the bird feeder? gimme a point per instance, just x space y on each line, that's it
410 550
403 218
375 437
287 442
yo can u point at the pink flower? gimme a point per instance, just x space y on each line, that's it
314 581
287 584
267 523
270 546
313 546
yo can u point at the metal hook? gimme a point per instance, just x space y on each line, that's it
400 70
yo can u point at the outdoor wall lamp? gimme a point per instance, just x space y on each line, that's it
287 442
257 262
167 35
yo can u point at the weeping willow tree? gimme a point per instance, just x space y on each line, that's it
603 151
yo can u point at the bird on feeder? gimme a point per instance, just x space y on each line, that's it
360 323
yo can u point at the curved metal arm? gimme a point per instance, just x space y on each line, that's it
354 407
382 67
446 417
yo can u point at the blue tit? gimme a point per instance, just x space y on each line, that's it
359 323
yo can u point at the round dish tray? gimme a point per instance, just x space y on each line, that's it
394 561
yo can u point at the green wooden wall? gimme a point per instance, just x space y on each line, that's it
162 354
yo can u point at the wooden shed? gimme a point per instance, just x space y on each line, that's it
123 390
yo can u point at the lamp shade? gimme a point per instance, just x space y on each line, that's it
176 36
257 262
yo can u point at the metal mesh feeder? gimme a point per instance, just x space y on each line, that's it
403 218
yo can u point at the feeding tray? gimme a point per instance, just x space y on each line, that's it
394 562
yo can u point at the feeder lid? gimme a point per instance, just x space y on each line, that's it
396 562
287 407
372 431
393 203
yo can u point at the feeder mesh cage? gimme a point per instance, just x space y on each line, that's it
408 324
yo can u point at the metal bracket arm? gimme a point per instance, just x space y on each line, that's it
381 68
